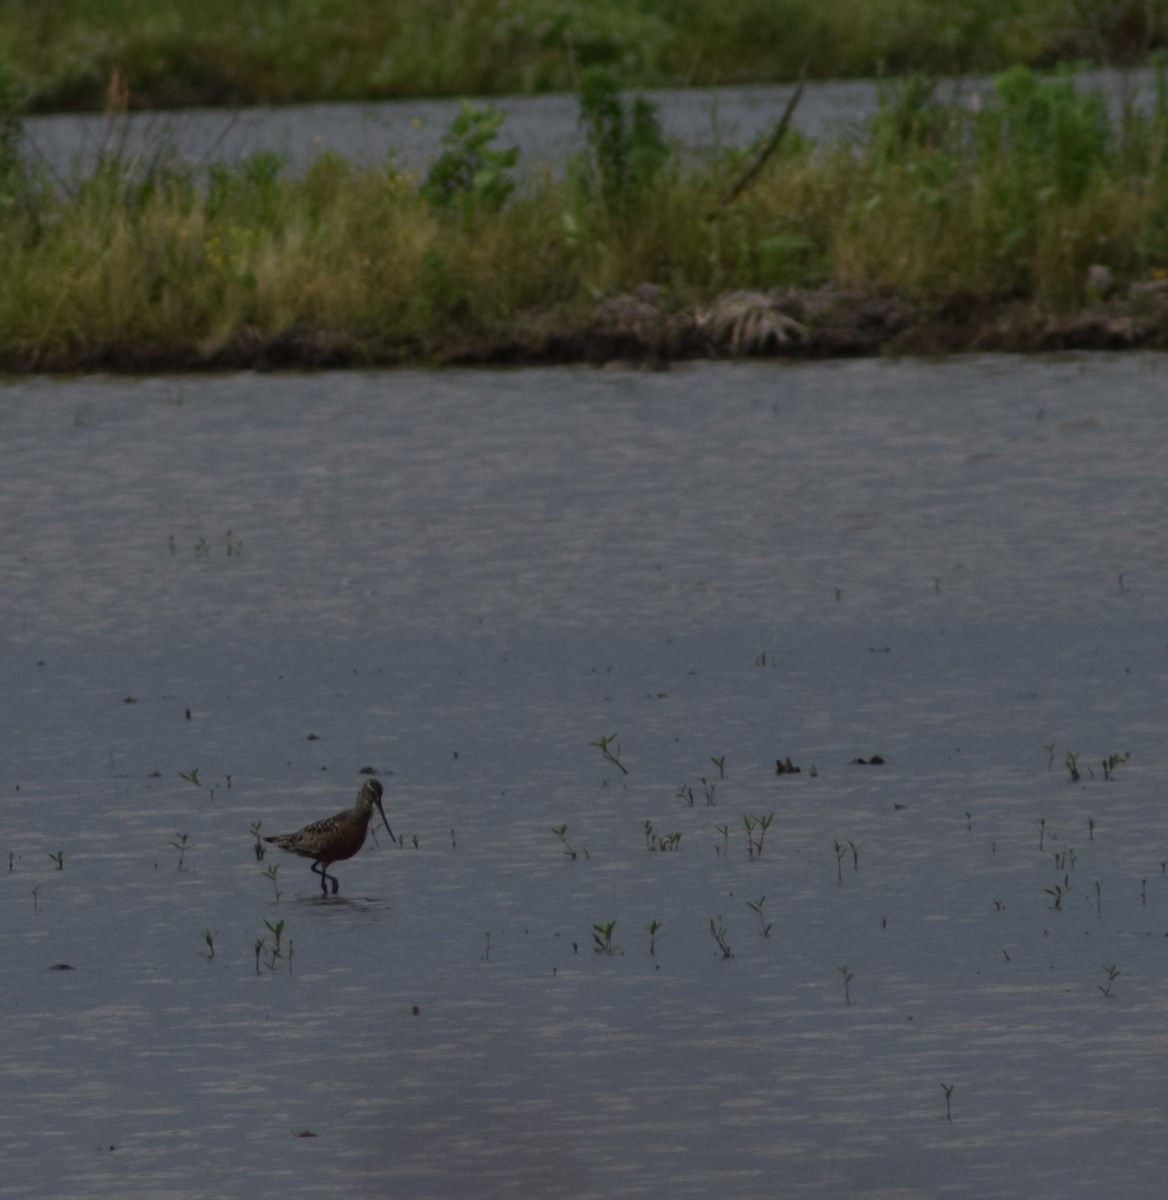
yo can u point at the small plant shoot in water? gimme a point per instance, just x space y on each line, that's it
609 748
654 928
718 933
182 845
602 938
1112 973
561 832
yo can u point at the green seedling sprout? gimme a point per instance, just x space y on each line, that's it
602 938
756 907
1143 893
1050 756
277 931
181 846
948 1088
670 841
487 953
59 859
654 927
757 825
613 756
191 776
259 949
839 862
36 891
709 789
650 840
11 857
1041 832
259 844
685 792
1112 973
1056 894
968 822
561 832
855 848
271 873
1099 899
209 938
1111 762
724 849
847 978
1072 762
718 933
720 763
1090 829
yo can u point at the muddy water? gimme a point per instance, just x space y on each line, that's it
266 583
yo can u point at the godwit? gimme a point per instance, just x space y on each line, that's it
335 838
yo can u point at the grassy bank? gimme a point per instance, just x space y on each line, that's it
995 223
170 52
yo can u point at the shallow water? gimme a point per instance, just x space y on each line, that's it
544 128
465 579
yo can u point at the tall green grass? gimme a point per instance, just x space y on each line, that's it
173 52
1014 199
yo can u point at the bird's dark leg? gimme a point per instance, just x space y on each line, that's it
318 867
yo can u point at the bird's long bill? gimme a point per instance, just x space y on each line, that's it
382 811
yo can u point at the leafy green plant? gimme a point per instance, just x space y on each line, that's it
654 928
720 763
259 846
847 978
182 846
756 828
209 938
626 147
756 907
561 832
59 859
271 872
1072 764
1056 894
948 1089
602 938
718 933
1111 762
469 171
724 849
1112 973
191 776
609 748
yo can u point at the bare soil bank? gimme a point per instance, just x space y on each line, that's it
646 326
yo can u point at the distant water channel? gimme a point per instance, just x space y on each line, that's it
545 128
222 597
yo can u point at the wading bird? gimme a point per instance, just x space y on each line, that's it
335 838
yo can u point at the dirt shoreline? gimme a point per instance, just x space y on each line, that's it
647 328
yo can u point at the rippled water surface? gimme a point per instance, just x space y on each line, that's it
223 597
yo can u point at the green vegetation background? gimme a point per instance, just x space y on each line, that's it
174 52
1040 196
